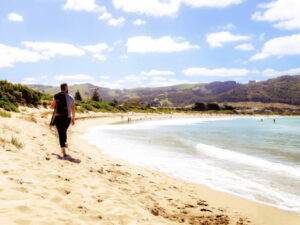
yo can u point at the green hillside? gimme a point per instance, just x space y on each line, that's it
284 89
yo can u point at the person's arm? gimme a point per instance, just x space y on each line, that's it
53 104
73 113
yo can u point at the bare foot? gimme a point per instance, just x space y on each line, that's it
63 152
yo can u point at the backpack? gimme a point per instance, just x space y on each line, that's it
61 104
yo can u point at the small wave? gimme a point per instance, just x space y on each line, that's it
244 159
150 124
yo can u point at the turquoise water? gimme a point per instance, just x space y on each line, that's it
254 158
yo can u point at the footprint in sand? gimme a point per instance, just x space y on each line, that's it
21 189
24 209
22 222
56 199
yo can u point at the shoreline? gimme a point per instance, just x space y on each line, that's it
252 203
37 186
178 177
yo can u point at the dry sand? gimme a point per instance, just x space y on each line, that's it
37 186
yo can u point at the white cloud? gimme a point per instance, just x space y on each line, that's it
245 47
166 44
275 73
15 17
134 77
219 38
159 79
166 82
11 55
51 49
157 73
284 13
228 26
287 45
123 57
211 3
46 50
167 8
116 22
29 80
105 16
219 72
104 77
100 57
44 77
111 85
261 36
111 20
139 22
97 50
83 5
75 77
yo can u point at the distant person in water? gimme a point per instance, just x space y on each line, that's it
64 114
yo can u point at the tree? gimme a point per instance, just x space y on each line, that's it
78 96
199 106
212 106
115 102
228 107
96 96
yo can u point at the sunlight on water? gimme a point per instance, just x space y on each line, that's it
255 158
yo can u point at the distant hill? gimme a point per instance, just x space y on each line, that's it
284 89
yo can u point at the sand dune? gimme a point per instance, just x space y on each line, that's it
37 186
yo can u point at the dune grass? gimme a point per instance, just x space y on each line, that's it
5 114
15 141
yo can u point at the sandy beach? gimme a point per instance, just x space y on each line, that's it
37 186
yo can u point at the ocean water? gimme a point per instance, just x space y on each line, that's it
253 158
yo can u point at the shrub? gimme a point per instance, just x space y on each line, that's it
199 106
7 105
5 114
228 107
13 94
16 142
212 106
46 97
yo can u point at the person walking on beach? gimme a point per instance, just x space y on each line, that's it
64 114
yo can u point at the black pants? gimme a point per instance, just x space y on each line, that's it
62 125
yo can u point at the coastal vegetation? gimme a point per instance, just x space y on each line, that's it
5 114
13 95
284 89
78 96
15 141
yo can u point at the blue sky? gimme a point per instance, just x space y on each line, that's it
148 43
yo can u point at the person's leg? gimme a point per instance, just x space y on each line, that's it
67 124
61 133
